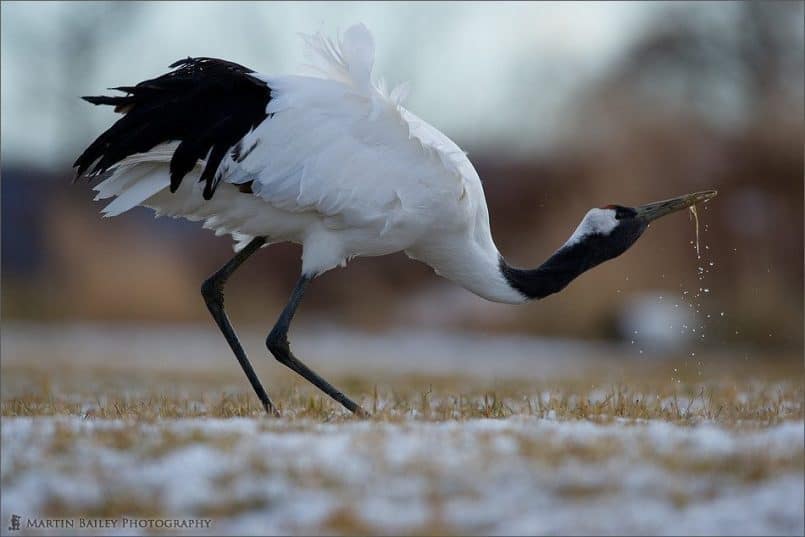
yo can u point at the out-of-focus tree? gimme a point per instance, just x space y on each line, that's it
731 66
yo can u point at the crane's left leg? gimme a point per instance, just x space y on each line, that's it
277 343
213 292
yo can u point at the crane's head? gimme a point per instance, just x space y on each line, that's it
604 233
609 231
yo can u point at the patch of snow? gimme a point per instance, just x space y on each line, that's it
484 476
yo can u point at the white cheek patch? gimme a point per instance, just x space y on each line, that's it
596 221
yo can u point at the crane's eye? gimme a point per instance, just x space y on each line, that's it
622 213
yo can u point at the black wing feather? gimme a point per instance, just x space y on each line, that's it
206 104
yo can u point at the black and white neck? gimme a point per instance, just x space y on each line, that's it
603 234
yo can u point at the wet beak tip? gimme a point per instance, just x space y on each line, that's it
707 195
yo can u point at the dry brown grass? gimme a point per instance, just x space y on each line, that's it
670 391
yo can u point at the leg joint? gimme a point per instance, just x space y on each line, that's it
277 343
213 290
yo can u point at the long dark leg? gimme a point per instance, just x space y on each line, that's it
277 343
213 292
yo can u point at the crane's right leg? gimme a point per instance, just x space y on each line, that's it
213 292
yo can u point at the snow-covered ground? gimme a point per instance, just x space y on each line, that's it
514 476
144 425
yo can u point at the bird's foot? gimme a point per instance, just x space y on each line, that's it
271 410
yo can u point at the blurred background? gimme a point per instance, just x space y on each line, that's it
561 107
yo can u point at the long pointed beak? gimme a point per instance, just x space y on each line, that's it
653 211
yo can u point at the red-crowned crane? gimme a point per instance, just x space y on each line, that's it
331 161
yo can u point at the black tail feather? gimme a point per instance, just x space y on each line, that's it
116 101
207 105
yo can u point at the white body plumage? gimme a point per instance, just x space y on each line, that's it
341 167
